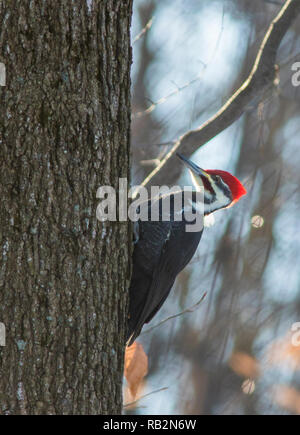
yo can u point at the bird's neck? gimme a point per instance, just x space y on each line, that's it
212 202
215 201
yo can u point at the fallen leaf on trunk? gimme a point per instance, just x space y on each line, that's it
135 367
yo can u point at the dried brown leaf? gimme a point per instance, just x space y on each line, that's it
244 365
135 367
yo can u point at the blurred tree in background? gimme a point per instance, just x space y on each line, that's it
234 354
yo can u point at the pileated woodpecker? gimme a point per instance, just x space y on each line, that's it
163 248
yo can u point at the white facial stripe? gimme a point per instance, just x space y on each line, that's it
197 206
221 197
191 207
213 201
220 200
198 186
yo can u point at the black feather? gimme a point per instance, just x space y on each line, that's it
163 249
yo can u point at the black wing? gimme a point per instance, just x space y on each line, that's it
162 251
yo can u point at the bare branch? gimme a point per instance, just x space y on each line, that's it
187 310
151 162
179 89
143 31
162 100
145 395
260 79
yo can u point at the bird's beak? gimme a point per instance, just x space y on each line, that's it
195 169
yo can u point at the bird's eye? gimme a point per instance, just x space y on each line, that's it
218 178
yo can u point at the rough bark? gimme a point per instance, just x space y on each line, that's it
64 131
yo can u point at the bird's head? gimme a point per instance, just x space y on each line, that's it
221 189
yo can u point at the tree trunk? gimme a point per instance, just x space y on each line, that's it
64 131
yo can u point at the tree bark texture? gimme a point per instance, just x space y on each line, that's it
64 131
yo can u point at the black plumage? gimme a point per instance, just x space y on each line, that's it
162 250
164 247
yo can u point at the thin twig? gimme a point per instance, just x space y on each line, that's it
260 79
186 85
142 397
143 31
187 310
164 99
